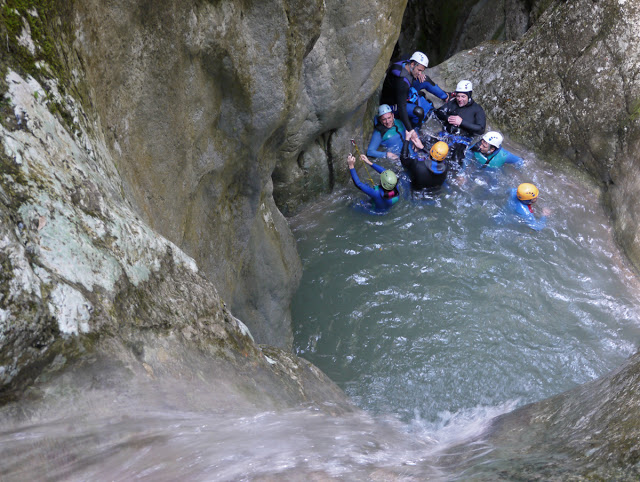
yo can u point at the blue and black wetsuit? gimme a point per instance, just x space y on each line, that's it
424 171
524 211
496 159
382 199
391 139
473 124
430 86
395 90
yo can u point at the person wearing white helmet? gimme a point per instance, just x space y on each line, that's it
388 134
400 77
489 153
462 119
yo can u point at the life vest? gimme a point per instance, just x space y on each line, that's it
496 159
412 95
394 193
387 132
397 70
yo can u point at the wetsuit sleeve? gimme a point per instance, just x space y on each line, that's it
513 159
374 144
360 185
479 123
379 169
401 90
405 157
538 224
431 87
532 222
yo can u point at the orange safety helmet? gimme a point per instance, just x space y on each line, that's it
439 151
527 192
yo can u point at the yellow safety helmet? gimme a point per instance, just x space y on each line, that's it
439 151
527 192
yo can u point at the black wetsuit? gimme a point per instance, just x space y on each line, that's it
473 123
395 90
424 173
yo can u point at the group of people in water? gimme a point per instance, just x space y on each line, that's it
429 159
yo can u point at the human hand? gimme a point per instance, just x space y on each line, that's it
546 211
365 159
422 77
417 142
391 155
351 161
455 120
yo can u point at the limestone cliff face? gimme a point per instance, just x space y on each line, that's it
201 101
569 89
137 169
92 297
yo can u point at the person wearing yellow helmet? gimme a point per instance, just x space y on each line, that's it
521 201
426 170
384 195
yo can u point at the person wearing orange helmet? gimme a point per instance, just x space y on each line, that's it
521 201
426 169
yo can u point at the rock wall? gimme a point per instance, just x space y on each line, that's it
93 301
201 101
440 30
569 89
139 141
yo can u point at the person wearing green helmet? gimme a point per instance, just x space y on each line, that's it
386 194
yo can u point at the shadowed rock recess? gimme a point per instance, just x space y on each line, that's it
150 148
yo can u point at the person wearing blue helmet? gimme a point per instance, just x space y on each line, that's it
388 133
489 153
386 194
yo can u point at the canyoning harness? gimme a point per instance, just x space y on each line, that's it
355 146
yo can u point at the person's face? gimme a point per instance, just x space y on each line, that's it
485 147
387 119
417 69
462 99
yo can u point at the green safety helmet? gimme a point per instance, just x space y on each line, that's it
388 180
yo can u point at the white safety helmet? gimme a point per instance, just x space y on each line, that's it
384 109
420 58
493 138
464 86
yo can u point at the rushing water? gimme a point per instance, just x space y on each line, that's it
435 318
440 306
